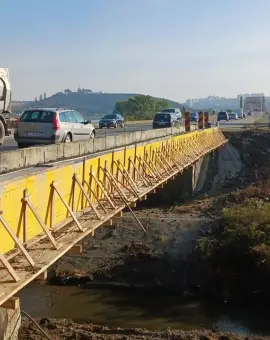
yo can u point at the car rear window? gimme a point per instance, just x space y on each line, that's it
222 114
38 116
109 117
162 117
168 110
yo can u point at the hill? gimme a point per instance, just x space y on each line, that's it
90 104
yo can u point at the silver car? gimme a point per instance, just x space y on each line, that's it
49 126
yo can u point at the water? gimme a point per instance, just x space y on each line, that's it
129 309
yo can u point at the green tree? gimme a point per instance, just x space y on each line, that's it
140 107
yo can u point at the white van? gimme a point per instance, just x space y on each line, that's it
176 111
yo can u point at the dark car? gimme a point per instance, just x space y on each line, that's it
194 117
113 120
163 120
223 115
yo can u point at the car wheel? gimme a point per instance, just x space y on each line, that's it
92 135
2 133
22 145
123 125
115 126
68 138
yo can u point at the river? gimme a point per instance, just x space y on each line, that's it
140 309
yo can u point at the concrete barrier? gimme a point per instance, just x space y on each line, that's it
19 159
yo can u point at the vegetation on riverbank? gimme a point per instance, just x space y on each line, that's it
236 252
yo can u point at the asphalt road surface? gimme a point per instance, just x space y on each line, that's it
10 143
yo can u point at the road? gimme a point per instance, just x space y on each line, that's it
10 143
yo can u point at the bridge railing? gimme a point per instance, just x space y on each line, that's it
45 213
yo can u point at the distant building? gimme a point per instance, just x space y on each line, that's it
254 102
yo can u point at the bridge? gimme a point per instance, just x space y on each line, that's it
59 194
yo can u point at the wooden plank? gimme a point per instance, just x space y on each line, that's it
25 217
119 214
9 268
108 223
42 224
67 206
76 249
43 276
12 303
16 240
87 197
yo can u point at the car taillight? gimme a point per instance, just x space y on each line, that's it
56 123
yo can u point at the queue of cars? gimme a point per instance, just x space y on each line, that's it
59 125
225 115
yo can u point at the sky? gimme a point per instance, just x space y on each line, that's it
177 49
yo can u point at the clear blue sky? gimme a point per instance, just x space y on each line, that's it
171 48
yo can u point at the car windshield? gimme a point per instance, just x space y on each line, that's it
162 117
37 116
109 117
193 114
168 110
223 114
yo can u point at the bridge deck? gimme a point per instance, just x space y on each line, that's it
94 196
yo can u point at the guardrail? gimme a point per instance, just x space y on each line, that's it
23 158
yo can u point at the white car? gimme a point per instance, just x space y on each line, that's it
233 116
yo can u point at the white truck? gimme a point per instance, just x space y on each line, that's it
5 104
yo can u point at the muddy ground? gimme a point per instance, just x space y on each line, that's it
69 330
124 253
164 257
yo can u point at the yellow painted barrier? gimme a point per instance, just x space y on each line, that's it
38 186
34 206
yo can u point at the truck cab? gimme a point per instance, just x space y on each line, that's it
5 103
5 91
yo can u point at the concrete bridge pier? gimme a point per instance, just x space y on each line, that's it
10 319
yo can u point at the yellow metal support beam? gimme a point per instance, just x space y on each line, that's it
69 202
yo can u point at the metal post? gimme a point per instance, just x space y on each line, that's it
187 121
200 125
206 119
